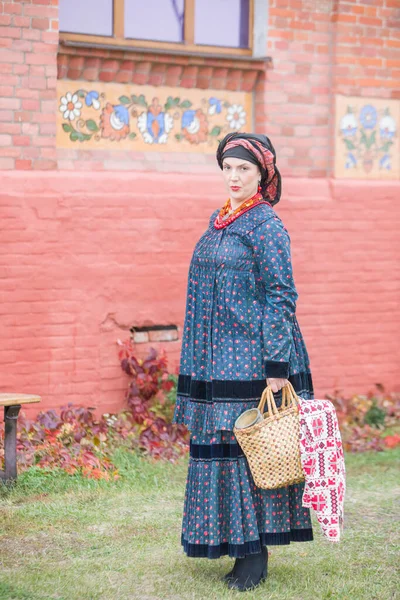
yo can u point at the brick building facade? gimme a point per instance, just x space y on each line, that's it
97 235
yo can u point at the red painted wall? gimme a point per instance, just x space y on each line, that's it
84 257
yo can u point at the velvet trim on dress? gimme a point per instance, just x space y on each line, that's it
254 547
277 369
236 390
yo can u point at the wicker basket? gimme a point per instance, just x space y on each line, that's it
272 446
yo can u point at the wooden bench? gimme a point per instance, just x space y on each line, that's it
12 405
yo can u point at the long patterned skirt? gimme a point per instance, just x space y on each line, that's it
226 514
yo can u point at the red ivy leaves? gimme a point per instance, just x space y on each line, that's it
151 397
368 422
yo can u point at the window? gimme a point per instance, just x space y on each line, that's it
186 25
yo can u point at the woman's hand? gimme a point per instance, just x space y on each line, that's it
276 384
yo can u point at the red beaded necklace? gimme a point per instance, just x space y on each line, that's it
226 216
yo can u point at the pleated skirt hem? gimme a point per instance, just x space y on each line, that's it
252 547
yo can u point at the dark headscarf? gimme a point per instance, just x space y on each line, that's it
258 150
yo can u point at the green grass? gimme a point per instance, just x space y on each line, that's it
67 538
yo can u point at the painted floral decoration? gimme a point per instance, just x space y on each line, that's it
348 124
236 116
368 116
195 126
215 106
114 122
155 124
70 106
387 126
92 99
361 137
154 121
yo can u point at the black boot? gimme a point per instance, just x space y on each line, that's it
249 572
232 573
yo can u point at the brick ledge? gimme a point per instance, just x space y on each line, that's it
159 69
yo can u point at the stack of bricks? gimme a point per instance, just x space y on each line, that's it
28 78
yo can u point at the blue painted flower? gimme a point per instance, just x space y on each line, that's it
215 106
385 163
368 116
92 99
351 161
122 114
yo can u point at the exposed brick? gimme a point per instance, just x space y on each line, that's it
370 21
123 77
76 62
30 104
143 67
27 93
22 21
12 8
22 116
23 45
90 74
10 128
50 37
10 56
20 69
140 78
5 140
74 74
30 128
21 140
6 115
10 103
41 11
42 24
4 21
45 165
156 79
6 90
7 163
31 34
106 76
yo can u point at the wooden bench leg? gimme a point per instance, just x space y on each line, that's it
10 442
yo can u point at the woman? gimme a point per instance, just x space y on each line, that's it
240 333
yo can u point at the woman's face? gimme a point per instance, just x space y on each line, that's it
241 178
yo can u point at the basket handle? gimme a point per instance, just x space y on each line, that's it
289 397
268 396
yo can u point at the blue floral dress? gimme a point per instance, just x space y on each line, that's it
240 327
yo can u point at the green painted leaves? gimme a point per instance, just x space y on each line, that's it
80 136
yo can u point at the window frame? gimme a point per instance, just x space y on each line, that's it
188 45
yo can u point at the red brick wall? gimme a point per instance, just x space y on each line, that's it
84 258
319 48
28 78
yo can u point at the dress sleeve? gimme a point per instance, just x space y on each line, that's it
271 247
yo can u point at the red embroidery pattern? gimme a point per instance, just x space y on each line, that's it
321 453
